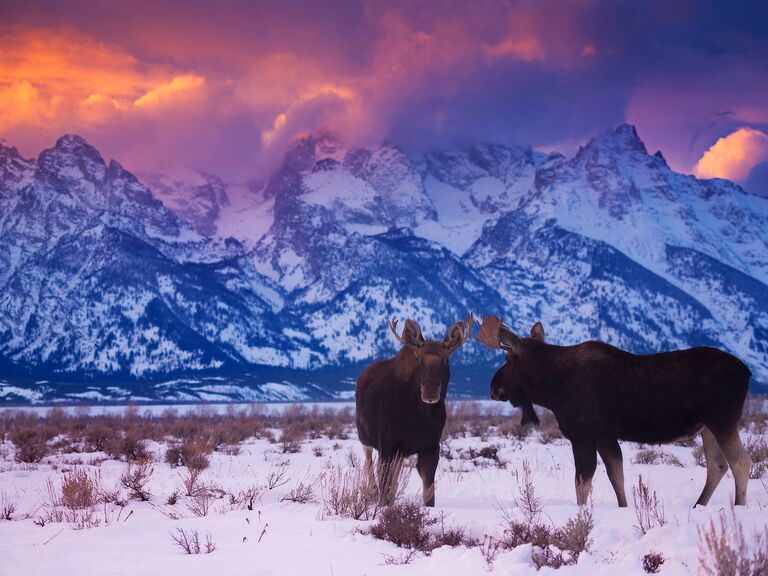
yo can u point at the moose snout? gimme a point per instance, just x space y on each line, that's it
499 394
430 395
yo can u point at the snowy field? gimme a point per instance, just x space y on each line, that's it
242 500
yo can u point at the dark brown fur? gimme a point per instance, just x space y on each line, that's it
401 406
601 394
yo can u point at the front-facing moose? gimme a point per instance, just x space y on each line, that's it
600 394
401 406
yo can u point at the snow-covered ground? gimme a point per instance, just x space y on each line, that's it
280 537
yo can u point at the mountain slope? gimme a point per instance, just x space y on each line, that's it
100 277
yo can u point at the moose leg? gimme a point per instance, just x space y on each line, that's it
717 465
368 467
610 452
738 460
426 464
585 459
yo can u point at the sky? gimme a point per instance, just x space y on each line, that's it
224 87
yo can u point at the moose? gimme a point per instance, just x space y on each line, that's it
400 406
600 394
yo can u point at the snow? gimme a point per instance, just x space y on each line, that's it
290 538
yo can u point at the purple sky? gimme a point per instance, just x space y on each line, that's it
224 86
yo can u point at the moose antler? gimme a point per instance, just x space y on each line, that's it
467 327
494 334
489 332
393 326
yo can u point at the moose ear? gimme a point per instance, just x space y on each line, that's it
537 332
455 336
412 334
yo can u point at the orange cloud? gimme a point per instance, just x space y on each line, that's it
179 86
64 80
734 156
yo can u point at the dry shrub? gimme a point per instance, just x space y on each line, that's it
191 481
652 562
7 506
757 448
190 453
649 508
347 492
190 543
483 457
526 500
651 456
129 448
405 524
246 497
724 549
698 455
278 476
512 428
200 503
754 417
136 477
552 547
31 445
78 490
549 429
302 493
99 437
408 525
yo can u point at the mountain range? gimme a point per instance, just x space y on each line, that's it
190 282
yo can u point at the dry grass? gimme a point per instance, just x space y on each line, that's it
347 492
757 448
725 550
78 490
649 508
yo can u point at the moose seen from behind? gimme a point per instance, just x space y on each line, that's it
401 406
600 394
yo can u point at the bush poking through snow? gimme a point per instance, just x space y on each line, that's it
651 456
652 562
78 491
698 456
129 448
724 549
527 501
277 476
347 492
7 506
757 448
189 453
406 525
31 445
552 547
136 477
302 493
190 543
649 508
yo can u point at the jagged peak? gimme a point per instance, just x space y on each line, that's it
70 141
622 139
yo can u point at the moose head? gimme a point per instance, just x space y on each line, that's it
430 358
494 334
